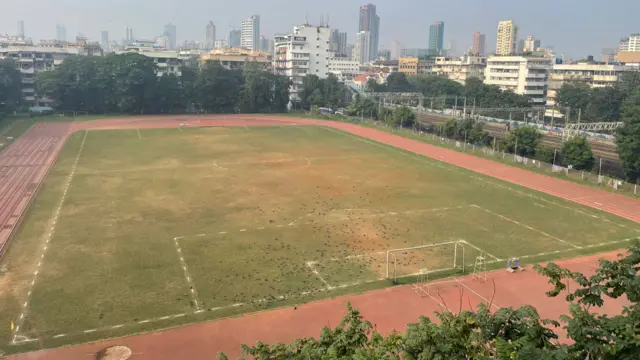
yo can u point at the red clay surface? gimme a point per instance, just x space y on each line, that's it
23 166
388 309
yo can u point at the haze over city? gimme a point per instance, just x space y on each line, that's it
576 28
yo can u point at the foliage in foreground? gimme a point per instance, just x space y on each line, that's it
506 334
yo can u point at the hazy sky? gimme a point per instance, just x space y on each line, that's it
574 27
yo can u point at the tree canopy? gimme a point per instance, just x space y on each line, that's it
467 130
327 92
599 104
10 84
577 153
628 137
129 83
505 334
523 141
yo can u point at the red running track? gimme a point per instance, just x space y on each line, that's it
388 309
23 166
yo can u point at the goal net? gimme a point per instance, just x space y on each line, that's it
412 261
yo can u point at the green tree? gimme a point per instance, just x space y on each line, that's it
170 96
628 137
545 154
432 86
523 141
604 104
401 116
218 89
467 130
599 336
10 85
397 82
373 86
574 96
577 153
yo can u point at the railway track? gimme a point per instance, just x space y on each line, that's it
600 149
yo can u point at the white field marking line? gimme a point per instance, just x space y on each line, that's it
479 249
23 339
49 233
331 220
528 227
478 295
139 136
565 250
192 286
531 195
441 163
310 265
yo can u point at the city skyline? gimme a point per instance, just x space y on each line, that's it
405 23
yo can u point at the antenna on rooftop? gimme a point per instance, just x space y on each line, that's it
306 19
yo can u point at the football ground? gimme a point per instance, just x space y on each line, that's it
136 230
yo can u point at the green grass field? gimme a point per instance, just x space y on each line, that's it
165 227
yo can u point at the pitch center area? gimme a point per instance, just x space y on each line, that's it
159 224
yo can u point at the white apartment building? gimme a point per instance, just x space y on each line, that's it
168 62
460 69
507 38
343 68
361 50
220 44
31 60
250 33
630 43
594 75
523 75
305 51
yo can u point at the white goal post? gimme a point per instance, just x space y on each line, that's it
413 260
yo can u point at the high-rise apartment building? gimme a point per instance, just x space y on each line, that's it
104 40
436 38
128 36
531 44
362 50
250 36
170 32
370 22
61 33
479 45
234 38
631 43
264 44
339 43
305 51
507 38
21 28
210 36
